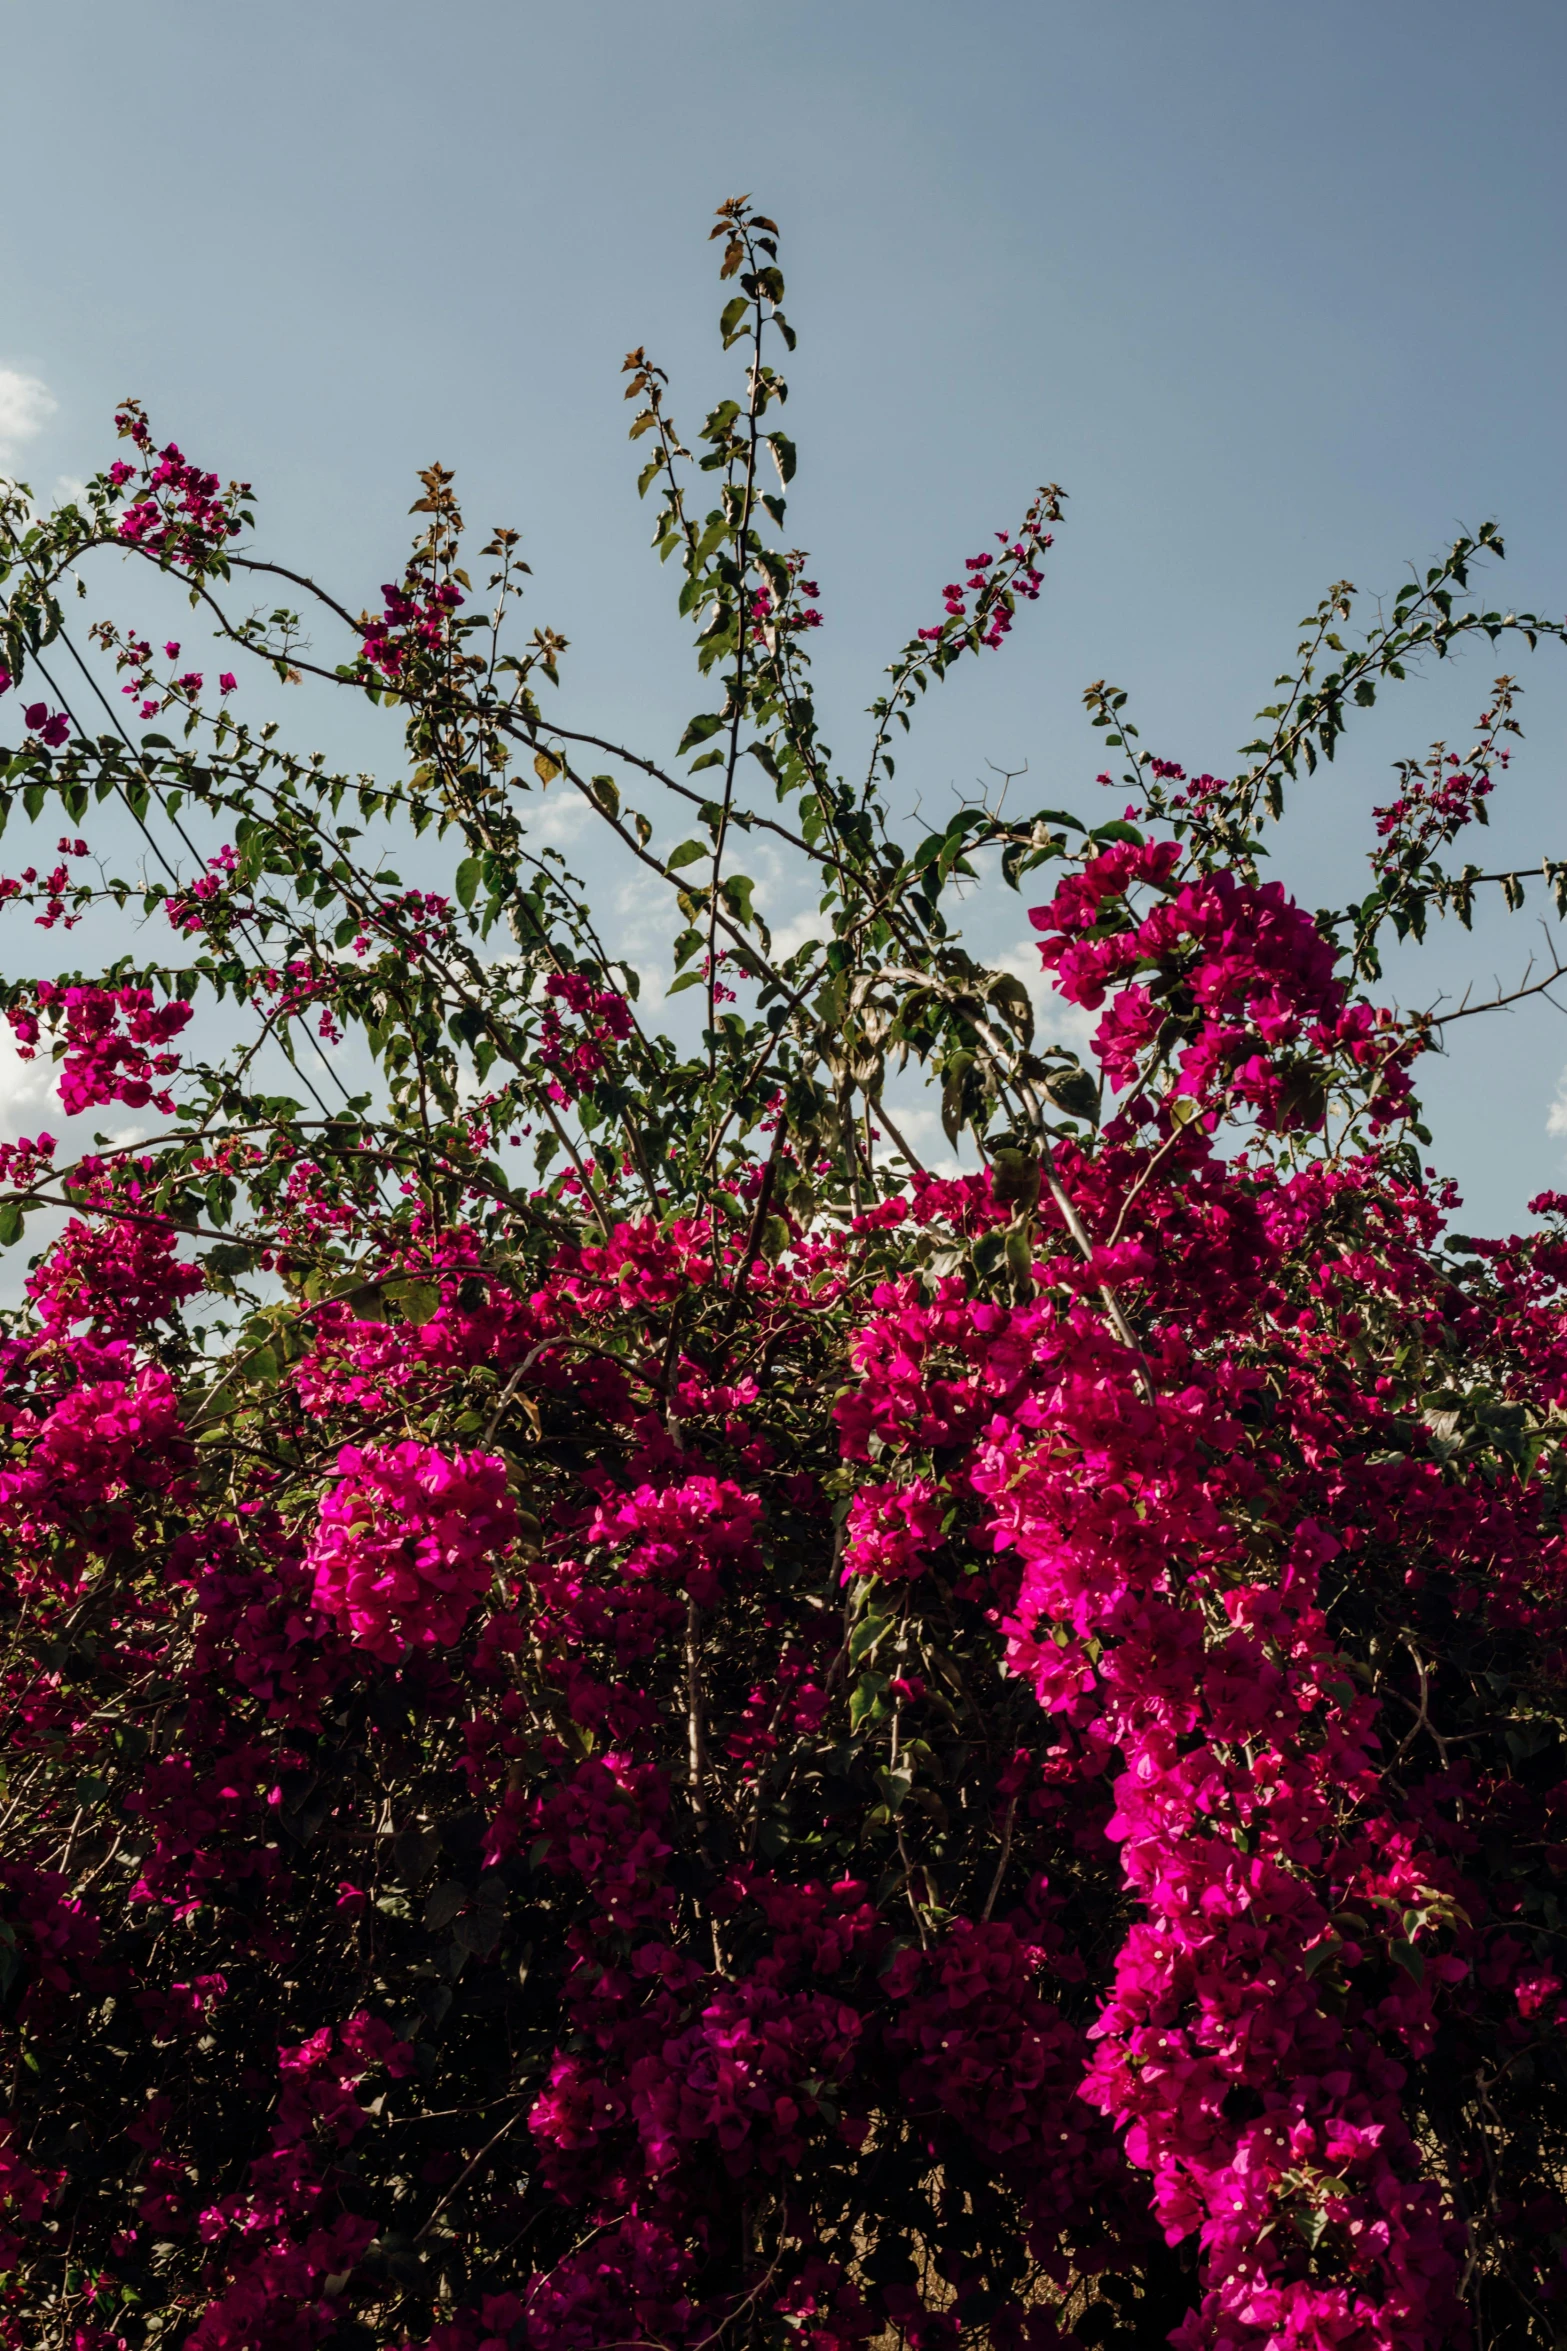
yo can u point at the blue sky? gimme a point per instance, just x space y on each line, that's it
1275 292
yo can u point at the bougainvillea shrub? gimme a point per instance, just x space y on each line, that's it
634 1722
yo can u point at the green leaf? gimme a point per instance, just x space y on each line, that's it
988 1253
868 1634
706 723
1321 1953
1075 1091
1309 2220
10 1223
228 1257
736 892
1014 1003
469 874
688 853
953 1084
783 456
865 1700
420 1301
719 422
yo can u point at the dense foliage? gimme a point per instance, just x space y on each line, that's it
632 1721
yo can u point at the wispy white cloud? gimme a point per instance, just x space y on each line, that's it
559 818
921 1127
26 405
1556 1116
27 1091
640 929
796 931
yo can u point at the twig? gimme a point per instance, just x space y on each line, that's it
1528 986
1001 1865
468 2170
878 1111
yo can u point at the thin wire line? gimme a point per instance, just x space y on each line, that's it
253 942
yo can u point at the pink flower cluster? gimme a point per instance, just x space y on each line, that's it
415 619
893 1530
688 1535
192 908
53 887
89 1457
405 1544
773 623
606 1018
1432 809
25 2196
182 515
1256 2044
1296 1930
119 1275
986 2048
284 2236
105 1061
747 2076
27 1161
50 726
1240 986
633 2279
993 596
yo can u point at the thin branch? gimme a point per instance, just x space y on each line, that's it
1005 1857
1528 986
469 2169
